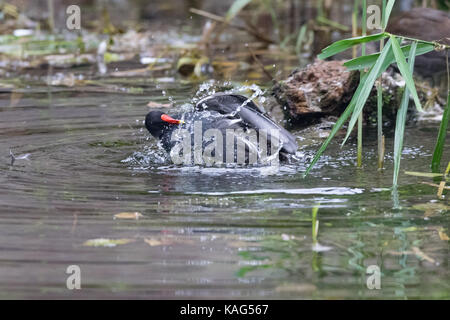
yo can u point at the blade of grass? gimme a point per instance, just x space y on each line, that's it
406 74
387 13
439 148
380 137
345 44
368 82
363 53
286 40
315 224
447 171
440 143
364 84
332 23
344 116
360 117
320 8
355 26
359 147
401 120
235 8
366 62
364 25
423 174
339 123
300 39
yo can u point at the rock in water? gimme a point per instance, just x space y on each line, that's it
325 88
322 88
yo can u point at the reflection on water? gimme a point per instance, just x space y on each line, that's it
204 232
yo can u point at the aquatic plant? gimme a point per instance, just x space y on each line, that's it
442 183
289 33
439 149
376 64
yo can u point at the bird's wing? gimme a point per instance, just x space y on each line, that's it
239 108
226 103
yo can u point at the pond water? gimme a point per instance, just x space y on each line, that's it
84 156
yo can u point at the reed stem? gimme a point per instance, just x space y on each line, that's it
380 105
363 53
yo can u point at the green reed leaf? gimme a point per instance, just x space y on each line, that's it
401 120
344 116
345 44
366 62
367 82
300 39
387 13
440 143
404 70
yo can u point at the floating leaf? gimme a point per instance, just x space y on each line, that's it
102 242
423 174
128 215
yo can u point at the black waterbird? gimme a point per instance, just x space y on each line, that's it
222 112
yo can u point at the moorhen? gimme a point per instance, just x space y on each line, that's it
224 112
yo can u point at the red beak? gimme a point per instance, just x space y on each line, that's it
171 120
